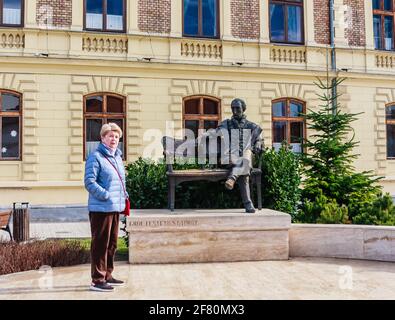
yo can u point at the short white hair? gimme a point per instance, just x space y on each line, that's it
111 126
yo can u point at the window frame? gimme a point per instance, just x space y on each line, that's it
12 114
200 22
287 3
384 13
201 117
21 25
105 116
289 119
104 29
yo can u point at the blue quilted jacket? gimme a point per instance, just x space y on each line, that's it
102 182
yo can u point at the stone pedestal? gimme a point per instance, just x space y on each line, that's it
158 236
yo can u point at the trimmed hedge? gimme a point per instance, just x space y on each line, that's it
147 188
16 257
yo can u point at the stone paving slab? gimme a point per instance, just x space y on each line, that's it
299 278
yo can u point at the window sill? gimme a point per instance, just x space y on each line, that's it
105 31
292 44
200 37
11 26
384 50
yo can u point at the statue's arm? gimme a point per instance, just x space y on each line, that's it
258 144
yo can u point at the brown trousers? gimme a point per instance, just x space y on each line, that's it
104 230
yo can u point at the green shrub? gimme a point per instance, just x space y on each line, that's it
380 211
333 213
322 210
281 180
146 184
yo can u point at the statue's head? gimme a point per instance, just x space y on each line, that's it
238 108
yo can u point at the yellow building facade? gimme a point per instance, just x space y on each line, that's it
54 69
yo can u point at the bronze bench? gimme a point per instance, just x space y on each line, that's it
5 219
176 177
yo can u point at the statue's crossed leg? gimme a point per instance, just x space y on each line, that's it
240 173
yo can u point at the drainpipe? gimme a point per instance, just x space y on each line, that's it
333 52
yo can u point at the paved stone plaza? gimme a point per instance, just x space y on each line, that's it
298 278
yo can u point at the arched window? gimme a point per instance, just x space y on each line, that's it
286 21
11 13
201 112
383 24
10 125
288 123
101 108
201 18
390 122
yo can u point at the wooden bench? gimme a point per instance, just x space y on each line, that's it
5 219
176 177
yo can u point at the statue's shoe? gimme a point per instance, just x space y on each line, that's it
250 208
229 184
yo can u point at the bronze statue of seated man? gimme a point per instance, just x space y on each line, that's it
242 139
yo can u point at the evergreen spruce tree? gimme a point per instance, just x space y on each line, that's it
330 177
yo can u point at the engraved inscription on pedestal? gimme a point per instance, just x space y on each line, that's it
162 223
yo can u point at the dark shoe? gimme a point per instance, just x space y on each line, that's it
250 208
230 183
114 282
101 286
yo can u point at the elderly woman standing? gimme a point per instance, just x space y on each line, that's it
105 182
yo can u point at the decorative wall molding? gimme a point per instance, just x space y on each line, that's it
105 44
287 54
201 49
12 39
385 60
